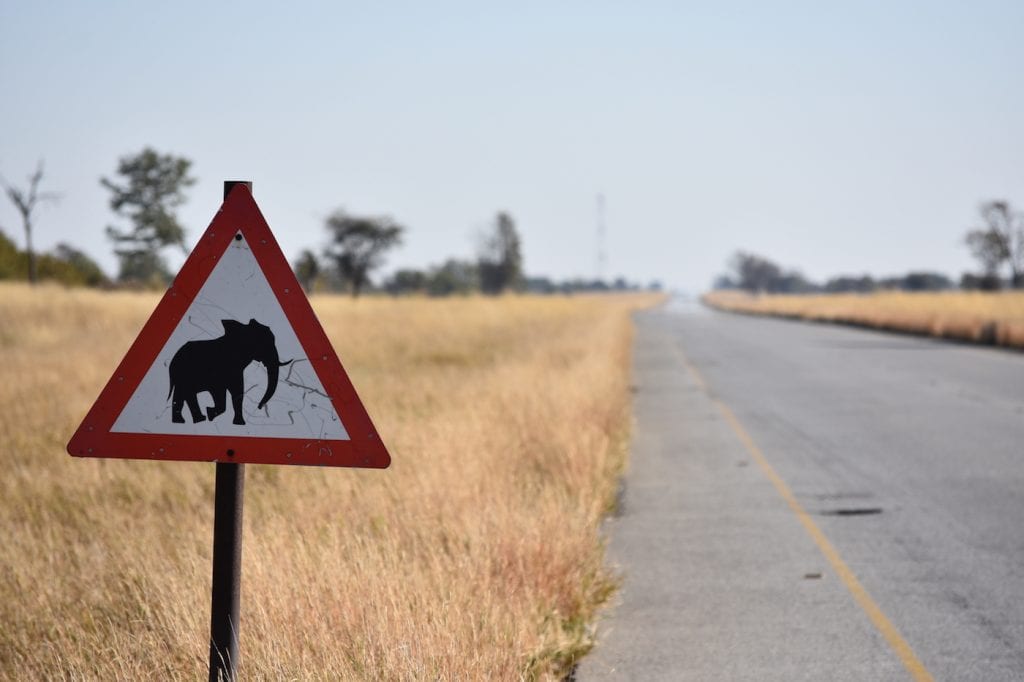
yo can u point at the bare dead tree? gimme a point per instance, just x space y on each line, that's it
26 201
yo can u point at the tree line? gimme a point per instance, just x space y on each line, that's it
357 246
997 245
148 187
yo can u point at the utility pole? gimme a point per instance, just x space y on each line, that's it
602 255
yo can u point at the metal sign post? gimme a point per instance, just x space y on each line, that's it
234 302
227 559
227 571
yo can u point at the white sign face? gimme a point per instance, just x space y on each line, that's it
211 377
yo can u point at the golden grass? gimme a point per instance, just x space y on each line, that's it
476 556
979 317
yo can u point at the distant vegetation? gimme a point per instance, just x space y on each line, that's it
922 303
756 274
998 246
65 264
148 187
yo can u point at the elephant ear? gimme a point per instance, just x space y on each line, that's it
232 326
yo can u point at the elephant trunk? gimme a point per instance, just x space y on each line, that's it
271 362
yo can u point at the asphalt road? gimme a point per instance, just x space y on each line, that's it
899 553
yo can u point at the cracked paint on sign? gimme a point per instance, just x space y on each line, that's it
237 291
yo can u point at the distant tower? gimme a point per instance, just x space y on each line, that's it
602 255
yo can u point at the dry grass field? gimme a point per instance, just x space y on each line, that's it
979 317
476 556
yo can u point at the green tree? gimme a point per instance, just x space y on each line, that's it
500 261
151 186
453 277
26 201
754 273
358 244
307 268
406 281
66 265
11 262
86 270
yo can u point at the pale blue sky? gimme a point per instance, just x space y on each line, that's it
842 138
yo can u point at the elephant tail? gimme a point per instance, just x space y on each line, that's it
170 391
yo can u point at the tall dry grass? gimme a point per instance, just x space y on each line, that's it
476 556
974 316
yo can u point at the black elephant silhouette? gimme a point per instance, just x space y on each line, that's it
216 366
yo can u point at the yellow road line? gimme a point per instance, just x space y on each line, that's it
884 626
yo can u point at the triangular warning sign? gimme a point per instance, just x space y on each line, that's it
232 366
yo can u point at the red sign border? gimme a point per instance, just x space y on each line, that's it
238 214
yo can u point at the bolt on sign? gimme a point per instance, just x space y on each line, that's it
233 366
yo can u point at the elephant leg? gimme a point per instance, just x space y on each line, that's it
193 407
219 404
176 405
236 402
